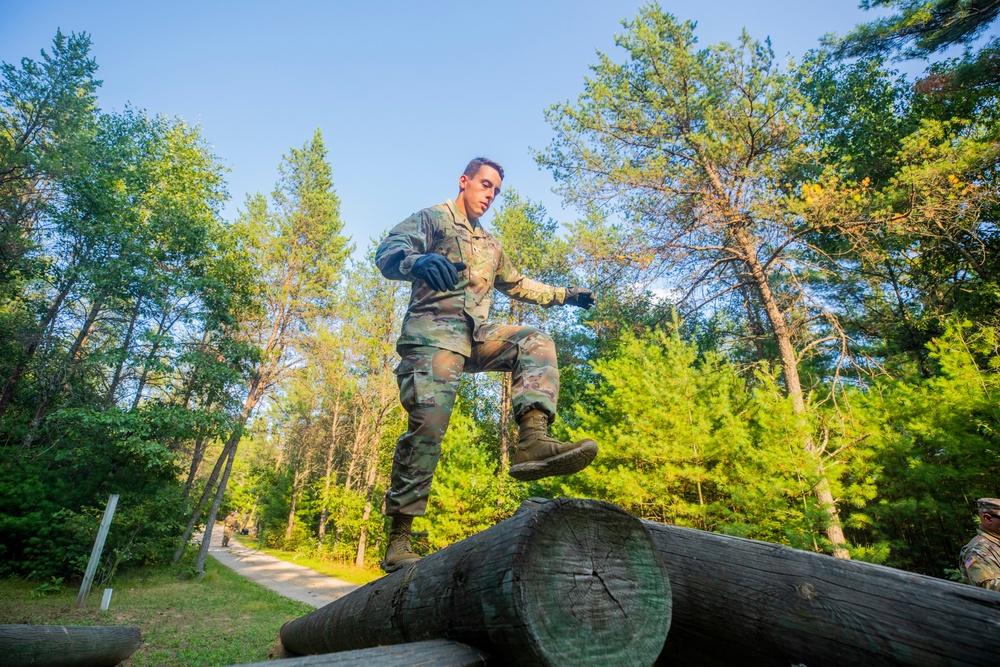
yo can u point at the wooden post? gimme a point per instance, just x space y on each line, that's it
739 601
95 554
563 582
67 645
106 600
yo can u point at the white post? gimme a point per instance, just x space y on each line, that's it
106 600
95 554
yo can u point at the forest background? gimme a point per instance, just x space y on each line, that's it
795 339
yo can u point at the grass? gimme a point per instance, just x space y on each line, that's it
221 619
338 569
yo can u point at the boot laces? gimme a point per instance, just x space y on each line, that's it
400 543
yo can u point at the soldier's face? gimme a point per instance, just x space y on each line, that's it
477 193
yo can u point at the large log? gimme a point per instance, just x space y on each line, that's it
739 601
431 653
565 582
67 645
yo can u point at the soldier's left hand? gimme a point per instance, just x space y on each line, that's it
580 297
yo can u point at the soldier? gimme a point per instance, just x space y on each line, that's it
453 265
228 526
980 558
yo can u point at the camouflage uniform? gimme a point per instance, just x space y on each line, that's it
446 333
979 560
227 528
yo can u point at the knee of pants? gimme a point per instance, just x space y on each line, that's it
538 348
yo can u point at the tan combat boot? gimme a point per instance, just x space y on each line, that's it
539 455
399 553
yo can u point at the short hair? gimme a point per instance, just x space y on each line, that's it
472 168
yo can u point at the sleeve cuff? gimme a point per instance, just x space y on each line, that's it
406 266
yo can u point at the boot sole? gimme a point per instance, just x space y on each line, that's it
567 463
389 569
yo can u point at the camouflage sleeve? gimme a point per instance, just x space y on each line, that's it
509 281
405 244
979 571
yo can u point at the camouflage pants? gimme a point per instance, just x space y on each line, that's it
428 381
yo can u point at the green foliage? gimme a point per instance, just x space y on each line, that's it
684 441
938 447
469 494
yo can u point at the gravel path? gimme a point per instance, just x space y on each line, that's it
288 579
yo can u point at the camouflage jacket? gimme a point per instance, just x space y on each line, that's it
980 561
452 320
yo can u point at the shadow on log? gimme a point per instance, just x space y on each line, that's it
432 653
743 602
67 645
564 582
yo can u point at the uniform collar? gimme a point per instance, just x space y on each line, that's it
990 536
460 218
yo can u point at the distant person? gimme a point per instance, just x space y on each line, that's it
453 265
980 558
228 527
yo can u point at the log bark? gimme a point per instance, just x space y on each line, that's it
67 645
562 582
739 601
432 653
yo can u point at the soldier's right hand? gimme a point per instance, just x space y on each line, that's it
437 271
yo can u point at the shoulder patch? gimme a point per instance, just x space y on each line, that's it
969 562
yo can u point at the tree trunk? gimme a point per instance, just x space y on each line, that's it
50 388
67 646
7 392
149 359
505 425
196 514
291 508
781 606
563 582
324 514
371 476
206 540
109 397
790 370
367 514
200 445
254 393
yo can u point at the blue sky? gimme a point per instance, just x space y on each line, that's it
404 92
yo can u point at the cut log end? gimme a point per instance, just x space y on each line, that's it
589 586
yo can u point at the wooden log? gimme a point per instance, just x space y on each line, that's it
739 601
431 653
565 582
67 645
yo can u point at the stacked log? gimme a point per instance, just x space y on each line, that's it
744 602
431 653
67 645
564 582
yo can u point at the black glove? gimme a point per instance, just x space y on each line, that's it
437 271
579 296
